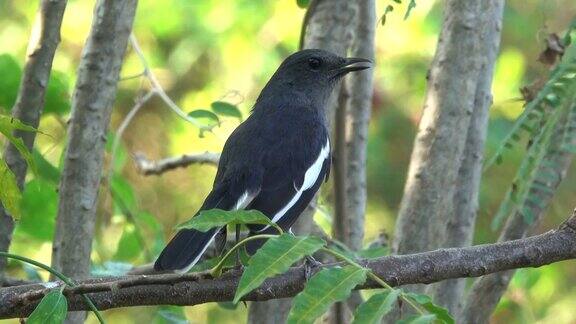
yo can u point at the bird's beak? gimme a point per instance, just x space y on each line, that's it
352 64
356 64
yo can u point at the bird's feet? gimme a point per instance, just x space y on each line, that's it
238 266
310 264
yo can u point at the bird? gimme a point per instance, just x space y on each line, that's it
276 160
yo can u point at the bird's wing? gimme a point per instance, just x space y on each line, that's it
188 246
290 182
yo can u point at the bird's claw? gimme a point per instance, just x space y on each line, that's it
238 266
309 265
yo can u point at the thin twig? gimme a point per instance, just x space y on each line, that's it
122 128
134 76
149 167
156 85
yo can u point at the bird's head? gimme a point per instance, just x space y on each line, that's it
311 75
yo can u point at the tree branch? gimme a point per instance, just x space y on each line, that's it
10 282
198 288
30 101
149 167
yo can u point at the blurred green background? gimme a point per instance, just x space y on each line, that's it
208 50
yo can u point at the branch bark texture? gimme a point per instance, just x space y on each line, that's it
360 108
439 144
193 289
459 229
92 103
30 101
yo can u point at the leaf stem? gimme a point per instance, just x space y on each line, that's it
60 276
374 277
277 227
217 269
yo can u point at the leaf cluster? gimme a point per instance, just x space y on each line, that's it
549 123
328 286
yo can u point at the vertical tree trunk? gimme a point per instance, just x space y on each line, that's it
487 290
92 103
355 107
439 144
461 221
328 27
30 101
360 108
339 313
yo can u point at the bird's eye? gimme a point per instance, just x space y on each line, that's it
314 63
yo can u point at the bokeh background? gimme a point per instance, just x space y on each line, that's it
208 50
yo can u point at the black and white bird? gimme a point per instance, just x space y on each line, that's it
276 160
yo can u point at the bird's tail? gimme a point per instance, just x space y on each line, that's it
184 250
253 245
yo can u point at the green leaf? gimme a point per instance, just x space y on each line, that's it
129 247
441 313
372 310
205 118
228 305
39 207
123 194
389 8
207 219
325 288
51 309
275 257
303 3
10 195
226 109
534 111
46 171
7 126
152 230
411 5
418 319
57 94
9 82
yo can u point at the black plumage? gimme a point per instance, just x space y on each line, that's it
276 160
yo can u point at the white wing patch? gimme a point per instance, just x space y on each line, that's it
242 202
199 255
310 178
